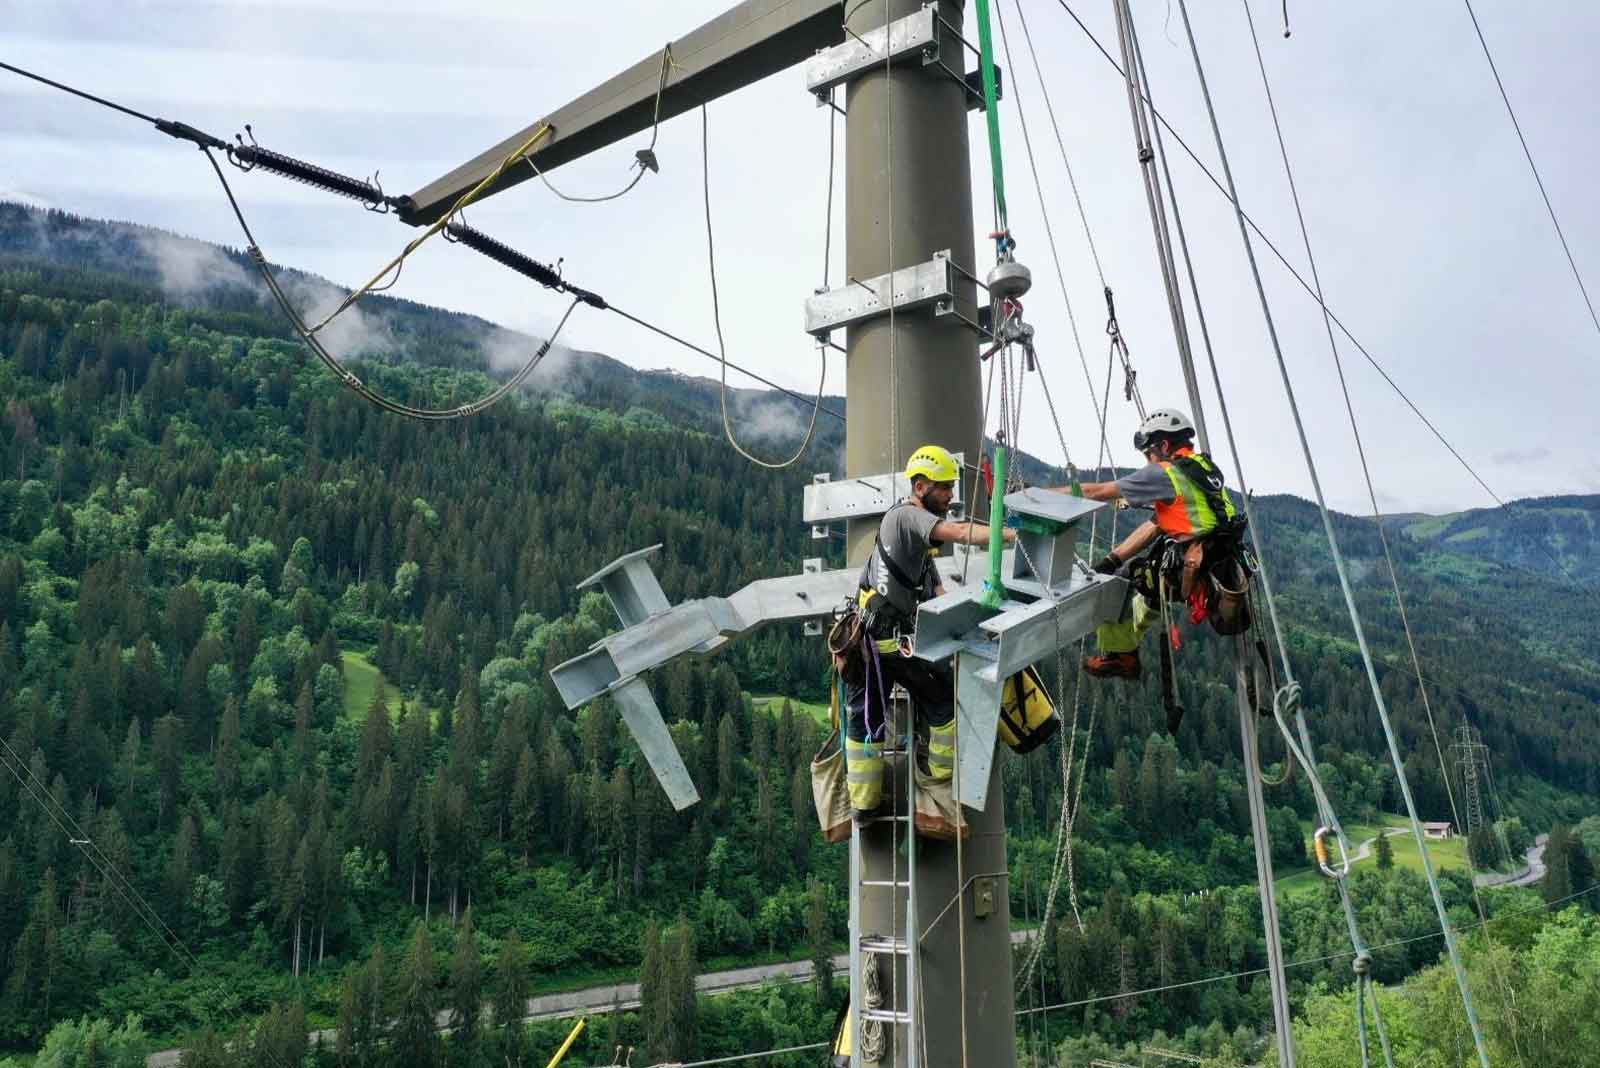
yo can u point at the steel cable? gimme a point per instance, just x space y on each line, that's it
1501 502
716 316
1338 558
644 159
1528 153
349 378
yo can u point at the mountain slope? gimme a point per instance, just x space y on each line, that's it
200 529
1558 537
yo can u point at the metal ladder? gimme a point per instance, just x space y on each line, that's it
900 1011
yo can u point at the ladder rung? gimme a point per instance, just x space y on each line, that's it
880 944
886 1016
884 882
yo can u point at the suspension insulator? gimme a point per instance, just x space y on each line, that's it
526 266
251 156
503 254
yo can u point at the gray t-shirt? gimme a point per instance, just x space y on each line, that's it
906 534
1147 486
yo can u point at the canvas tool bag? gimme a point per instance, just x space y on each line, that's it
828 790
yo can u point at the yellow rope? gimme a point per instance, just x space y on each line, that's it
544 130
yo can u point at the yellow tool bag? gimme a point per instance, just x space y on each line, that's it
843 1039
1027 715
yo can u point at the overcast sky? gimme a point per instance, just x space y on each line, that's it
1433 244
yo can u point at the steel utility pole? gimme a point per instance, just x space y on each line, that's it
1473 758
912 378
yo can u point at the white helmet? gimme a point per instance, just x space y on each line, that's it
1163 422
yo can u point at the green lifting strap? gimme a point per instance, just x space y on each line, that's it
994 586
992 114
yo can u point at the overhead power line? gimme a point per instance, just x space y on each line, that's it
1309 961
1312 292
113 876
1571 262
183 131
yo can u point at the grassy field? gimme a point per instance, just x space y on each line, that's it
1447 854
773 703
361 679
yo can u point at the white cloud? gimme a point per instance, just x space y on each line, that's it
23 196
1430 235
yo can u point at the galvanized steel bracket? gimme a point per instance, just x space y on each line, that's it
977 724
858 301
917 34
644 721
991 645
827 500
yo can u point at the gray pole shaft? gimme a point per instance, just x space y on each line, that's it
914 381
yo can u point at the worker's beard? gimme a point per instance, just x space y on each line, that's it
940 510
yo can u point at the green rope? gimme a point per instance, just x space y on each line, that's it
992 115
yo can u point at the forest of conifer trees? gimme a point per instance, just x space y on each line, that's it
283 661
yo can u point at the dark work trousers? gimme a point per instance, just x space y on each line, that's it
867 730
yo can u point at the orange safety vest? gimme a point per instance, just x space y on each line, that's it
1190 514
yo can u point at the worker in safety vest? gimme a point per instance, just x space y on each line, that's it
871 645
1186 490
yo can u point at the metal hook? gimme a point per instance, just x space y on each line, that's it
1319 843
381 205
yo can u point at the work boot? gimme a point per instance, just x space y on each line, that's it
1113 666
866 816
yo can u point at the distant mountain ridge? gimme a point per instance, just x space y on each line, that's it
199 274
1558 537
1550 536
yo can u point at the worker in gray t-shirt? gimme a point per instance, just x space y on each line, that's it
899 576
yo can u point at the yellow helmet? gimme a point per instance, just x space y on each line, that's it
934 464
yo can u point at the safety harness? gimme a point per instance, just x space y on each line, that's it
1210 572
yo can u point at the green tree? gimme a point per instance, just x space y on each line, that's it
166 754
466 995
185 619
1580 869
36 962
513 985
280 1037
1482 848
1557 884
1385 852
208 1049
819 937
654 1007
415 1043
363 1012
727 760
682 967
87 1043
527 804
181 865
